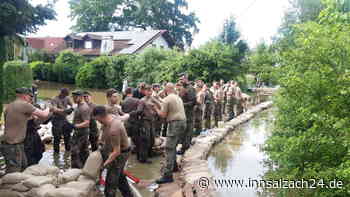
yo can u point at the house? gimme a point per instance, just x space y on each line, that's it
50 45
121 42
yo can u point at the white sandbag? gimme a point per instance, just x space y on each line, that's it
14 178
19 187
69 175
42 170
37 181
10 193
41 191
84 186
65 192
84 178
93 165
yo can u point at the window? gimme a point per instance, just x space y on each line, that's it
88 45
70 44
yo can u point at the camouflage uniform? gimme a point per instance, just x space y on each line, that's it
217 106
208 109
189 100
93 130
232 102
146 133
198 112
176 129
132 125
60 124
80 139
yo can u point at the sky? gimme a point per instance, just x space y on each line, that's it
257 20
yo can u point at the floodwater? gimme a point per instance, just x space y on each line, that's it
48 90
240 157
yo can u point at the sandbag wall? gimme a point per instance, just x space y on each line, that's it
47 181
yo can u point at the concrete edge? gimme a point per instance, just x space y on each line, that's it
195 170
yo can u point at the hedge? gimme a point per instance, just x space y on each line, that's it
15 74
43 71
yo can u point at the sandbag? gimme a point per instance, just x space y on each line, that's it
69 175
37 181
41 191
84 186
41 170
93 165
65 192
14 178
10 193
19 187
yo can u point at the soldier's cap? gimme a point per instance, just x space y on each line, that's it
87 93
24 90
77 93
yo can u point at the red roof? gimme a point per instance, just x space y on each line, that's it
48 44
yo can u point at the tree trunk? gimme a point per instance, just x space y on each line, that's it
2 61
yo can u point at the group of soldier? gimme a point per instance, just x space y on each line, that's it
175 111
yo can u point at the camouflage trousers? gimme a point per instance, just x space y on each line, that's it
93 135
145 140
198 118
115 178
60 128
132 128
230 109
15 157
187 136
80 148
176 129
217 113
207 115
239 108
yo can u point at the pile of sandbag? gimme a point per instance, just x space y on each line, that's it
47 181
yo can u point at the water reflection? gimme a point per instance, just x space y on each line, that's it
240 156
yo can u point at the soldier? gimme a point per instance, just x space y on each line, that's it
208 108
217 102
224 97
232 101
93 129
174 112
113 107
81 124
139 92
147 117
60 125
132 125
188 96
115 152
158 123
16 114
198 109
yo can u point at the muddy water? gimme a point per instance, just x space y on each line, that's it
49 90
240 157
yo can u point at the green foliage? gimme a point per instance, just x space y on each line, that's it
107 15
103 72
41 56
262 64
67 66
43 71
16 74
312 132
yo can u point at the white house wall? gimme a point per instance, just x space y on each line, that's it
160 42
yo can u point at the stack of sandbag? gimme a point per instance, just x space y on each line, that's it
47 181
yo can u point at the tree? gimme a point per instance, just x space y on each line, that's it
19 16
231 36
109 15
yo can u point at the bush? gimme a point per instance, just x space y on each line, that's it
43 71
103 72
41 56
311 135
15 74
67 66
